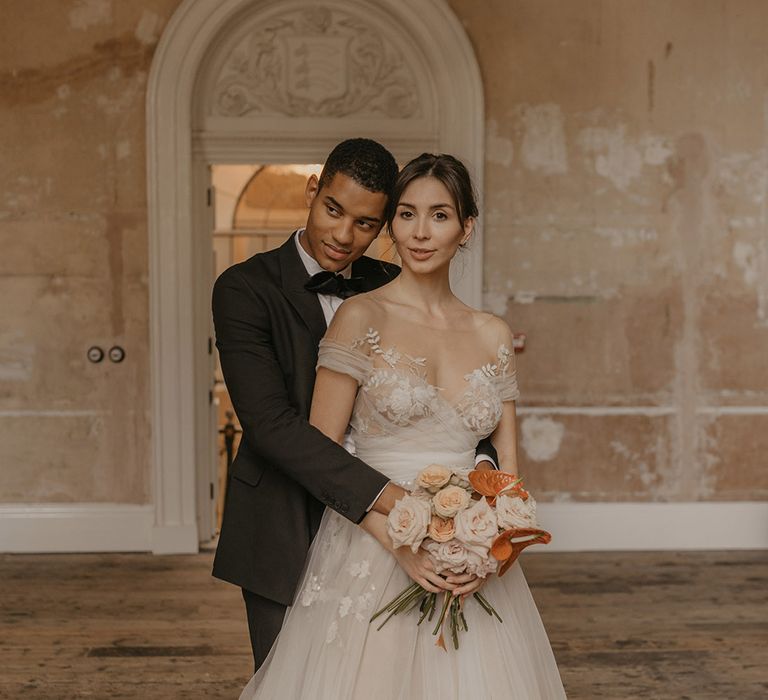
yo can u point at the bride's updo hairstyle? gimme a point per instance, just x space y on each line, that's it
448 170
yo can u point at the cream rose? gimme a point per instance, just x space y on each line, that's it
407 522
461 478
433 477
449 501
450 557
481 566
477 526
513 511
441 529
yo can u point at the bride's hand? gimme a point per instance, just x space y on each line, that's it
465 584
420 569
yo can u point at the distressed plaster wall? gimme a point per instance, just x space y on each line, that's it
626 234
73 236
625 220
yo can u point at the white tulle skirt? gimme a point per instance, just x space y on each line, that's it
328 650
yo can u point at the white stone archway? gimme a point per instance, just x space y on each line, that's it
228 85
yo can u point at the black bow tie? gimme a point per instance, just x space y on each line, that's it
326 282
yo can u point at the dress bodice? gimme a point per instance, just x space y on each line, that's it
400 421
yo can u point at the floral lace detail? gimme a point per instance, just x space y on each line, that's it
360 569
390 355
491 370
397 398
311 591
481 407
400 394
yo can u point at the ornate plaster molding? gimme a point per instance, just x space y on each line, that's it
315 61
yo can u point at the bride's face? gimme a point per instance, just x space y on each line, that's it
426 228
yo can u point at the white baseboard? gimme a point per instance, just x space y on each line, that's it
654 526
76 527
110 527
175 539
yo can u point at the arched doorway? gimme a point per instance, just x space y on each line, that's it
244 81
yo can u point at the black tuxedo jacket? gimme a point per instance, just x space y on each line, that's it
268 328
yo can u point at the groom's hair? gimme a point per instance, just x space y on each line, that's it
366 161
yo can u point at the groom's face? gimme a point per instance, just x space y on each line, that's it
343 220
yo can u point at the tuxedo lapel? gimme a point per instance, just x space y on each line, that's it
293 277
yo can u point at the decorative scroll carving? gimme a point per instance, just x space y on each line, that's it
315 62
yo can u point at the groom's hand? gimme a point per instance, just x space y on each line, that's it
485 465
387 498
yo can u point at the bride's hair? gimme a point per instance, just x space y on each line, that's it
445 168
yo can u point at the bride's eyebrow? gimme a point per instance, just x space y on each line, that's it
432 207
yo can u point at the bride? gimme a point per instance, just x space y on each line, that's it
420 377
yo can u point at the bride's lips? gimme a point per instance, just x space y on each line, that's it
335 253
421 253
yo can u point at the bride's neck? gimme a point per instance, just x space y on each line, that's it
431 293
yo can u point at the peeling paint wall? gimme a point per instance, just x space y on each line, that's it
626 228
626 224
73 235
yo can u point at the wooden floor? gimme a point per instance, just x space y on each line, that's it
640 625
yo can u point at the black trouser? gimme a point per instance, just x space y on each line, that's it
265 618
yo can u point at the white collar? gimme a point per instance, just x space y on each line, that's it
310 264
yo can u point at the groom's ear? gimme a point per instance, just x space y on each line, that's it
311 189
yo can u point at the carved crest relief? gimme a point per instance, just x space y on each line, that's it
315 62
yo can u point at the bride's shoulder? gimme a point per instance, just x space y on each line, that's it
356 314
493 331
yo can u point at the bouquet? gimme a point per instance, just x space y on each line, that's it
473 522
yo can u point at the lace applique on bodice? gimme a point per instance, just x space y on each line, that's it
394 391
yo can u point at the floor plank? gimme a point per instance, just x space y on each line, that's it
623 625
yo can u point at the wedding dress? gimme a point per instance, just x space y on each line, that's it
405 417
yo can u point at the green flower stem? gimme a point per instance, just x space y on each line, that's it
407 602
386 620
432 607
394 603
455 622
427 607
451 610
483 603
488 607
446 603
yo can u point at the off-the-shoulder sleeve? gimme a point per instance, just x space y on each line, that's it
507 373
508 390
342 358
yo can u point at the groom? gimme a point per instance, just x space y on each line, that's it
270 313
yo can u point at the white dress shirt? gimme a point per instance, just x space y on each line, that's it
329 302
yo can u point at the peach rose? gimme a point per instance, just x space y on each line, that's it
441 529
450 500
407 522
477 526
433 477
513 511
